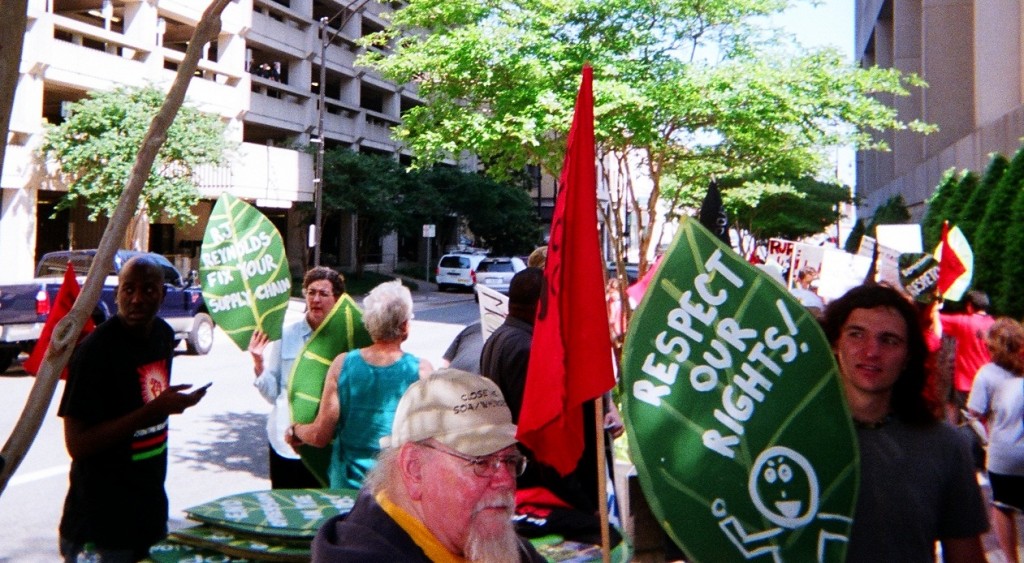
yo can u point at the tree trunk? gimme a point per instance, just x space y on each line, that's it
67 330
12 39
136 236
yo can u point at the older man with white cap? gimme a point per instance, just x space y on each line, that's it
443 488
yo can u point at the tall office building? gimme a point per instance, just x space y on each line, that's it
969 52
261 76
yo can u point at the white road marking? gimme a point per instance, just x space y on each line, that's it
22 478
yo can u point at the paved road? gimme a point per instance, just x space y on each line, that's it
216 448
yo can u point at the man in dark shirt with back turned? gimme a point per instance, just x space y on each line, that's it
546 502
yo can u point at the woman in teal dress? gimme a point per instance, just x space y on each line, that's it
362 389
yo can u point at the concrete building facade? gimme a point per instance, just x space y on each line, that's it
969 52
261 77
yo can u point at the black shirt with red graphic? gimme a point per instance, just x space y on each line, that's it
116 497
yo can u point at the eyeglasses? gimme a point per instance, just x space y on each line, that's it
488 466
317 293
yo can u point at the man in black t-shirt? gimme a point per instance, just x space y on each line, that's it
115 408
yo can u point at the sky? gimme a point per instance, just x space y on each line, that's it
829 23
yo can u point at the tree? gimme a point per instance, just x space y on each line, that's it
96 146
370 187
973 211
67 330
1009 297
500 81
502 215
506 220
12 38
990 244
385 198
963 192
811 210
789 209
856 235
892 212
427 202
759 211
931 227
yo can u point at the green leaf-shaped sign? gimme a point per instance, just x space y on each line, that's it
278 513
244 271
743 443
341 331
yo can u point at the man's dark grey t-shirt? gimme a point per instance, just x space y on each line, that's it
917 486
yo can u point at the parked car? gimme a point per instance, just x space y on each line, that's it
457 271
632 271
25 306
496 273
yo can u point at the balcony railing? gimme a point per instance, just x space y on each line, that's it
92 37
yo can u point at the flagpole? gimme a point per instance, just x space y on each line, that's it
602 478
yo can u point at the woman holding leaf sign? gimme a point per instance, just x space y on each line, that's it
362 389
321 287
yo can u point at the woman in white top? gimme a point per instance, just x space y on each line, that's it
321 286
997 396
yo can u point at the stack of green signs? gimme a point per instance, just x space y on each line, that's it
555 548
279 525
274 525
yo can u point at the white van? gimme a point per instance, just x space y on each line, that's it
457 271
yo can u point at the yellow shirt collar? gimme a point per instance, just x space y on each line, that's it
419 533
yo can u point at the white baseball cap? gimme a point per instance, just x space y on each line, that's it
463 411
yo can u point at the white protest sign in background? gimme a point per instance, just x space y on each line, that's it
901 238
841 271
805 256
493 309
780 251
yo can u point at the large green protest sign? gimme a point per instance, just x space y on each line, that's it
744 445
244 271
342 330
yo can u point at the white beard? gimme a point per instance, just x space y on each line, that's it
499 546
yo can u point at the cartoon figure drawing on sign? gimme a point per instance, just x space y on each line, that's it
784 489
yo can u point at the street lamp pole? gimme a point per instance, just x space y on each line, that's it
318 181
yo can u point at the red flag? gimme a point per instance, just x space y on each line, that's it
571 355
66 296
951 267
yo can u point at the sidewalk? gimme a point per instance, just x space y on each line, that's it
425 293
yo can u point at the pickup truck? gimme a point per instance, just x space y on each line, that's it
25 306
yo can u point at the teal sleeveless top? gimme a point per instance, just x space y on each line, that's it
367 396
